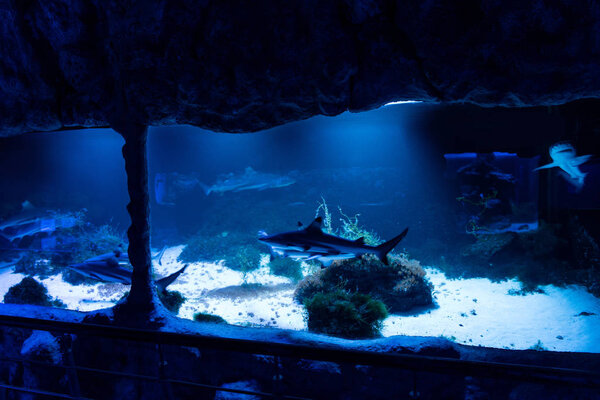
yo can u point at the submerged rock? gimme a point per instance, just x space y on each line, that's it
401 285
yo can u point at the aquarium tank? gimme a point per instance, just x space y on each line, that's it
358 226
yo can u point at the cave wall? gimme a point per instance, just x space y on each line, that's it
246 66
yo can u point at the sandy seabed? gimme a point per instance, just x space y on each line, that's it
468 311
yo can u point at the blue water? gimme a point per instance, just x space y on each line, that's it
470 213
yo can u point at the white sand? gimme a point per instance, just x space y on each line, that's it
489 315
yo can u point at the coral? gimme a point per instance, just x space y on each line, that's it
286 267
343 314
401 285
30 291
172 300
203 317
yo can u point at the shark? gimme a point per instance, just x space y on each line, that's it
114 267
311 243
31 221
249 180
564 157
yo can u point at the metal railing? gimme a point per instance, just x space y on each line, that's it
409 362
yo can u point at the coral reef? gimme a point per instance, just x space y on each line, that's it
30 291
401 285
343 314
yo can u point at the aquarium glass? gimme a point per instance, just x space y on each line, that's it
412 219
62 203
480 264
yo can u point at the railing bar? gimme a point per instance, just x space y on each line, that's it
145 377
406 361
273 395
162 374
41 392
535 379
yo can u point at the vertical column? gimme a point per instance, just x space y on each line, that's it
142 296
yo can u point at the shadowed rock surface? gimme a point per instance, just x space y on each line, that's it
234 67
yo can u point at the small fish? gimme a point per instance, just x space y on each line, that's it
311 243
564 157
249 180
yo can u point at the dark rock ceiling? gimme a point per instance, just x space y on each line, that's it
239 66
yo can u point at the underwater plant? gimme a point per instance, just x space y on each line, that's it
234 248
350 228
286 267
327 226
204 317
245 259
73 245
481 204
172 300
544 256
339 313
401 285
538 346
30 291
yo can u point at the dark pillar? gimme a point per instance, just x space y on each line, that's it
142 298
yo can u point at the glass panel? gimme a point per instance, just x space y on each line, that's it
487 259
62 205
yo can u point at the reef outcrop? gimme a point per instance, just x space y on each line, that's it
402 285
236 67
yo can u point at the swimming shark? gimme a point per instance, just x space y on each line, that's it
31 221
311 243
114 267
564 157
249 180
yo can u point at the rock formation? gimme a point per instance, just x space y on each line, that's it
234 67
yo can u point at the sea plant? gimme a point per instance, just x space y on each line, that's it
286 267
349 315
538 346
481 205
172 300
244 258
350 227
30 291
223 246
73 245
352 230
327 225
